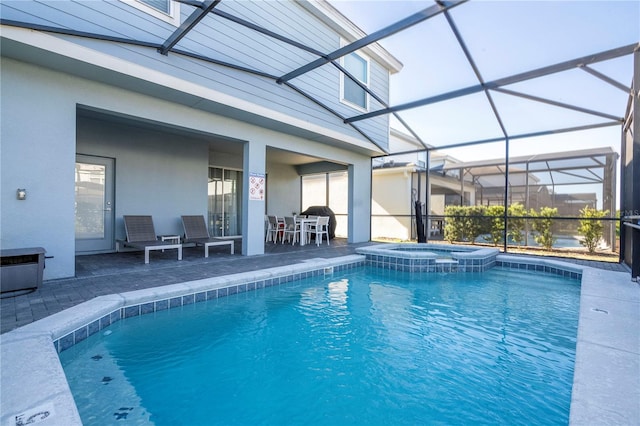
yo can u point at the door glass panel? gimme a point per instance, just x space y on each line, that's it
225 202
90 199
215 202
232 202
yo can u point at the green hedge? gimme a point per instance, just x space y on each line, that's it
543 224
467 223
591 228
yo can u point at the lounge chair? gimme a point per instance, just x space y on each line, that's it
196 232
141 234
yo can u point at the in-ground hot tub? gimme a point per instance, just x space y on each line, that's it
428 257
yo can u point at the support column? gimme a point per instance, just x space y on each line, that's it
609 200
360 201
527 204
635 165
462 172
427 195
253 202
630 176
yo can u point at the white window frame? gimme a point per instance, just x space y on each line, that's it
173 17
343 77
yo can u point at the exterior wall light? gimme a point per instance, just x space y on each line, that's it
21 194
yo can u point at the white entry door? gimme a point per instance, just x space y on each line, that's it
94 204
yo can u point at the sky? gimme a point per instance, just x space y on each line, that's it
506 38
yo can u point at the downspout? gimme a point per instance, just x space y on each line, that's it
427 192
506 193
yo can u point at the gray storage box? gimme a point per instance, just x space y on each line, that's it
21 269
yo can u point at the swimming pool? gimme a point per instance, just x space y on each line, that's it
359 347
604 387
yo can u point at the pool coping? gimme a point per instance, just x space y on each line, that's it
607 366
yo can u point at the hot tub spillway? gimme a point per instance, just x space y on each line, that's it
446 264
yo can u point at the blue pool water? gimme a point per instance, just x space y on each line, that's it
366 347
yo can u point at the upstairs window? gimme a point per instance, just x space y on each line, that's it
161 5
166 10
357 66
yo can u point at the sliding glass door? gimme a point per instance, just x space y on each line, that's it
225 202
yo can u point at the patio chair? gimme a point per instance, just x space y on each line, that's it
196 232
320 228
274 228
291 230
141 234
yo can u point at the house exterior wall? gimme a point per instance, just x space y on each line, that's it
146 159
64 95
391 199
218 38
359 224
38 151
392 204
283 189
41 134
225 160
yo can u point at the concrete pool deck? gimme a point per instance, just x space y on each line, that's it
606 387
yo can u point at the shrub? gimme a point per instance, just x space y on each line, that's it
495 221
454 223
516 223
543 223
591 228
475 223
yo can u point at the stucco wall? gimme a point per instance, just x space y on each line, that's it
221 40
283 189
145 160
38 152
391 197
391 193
